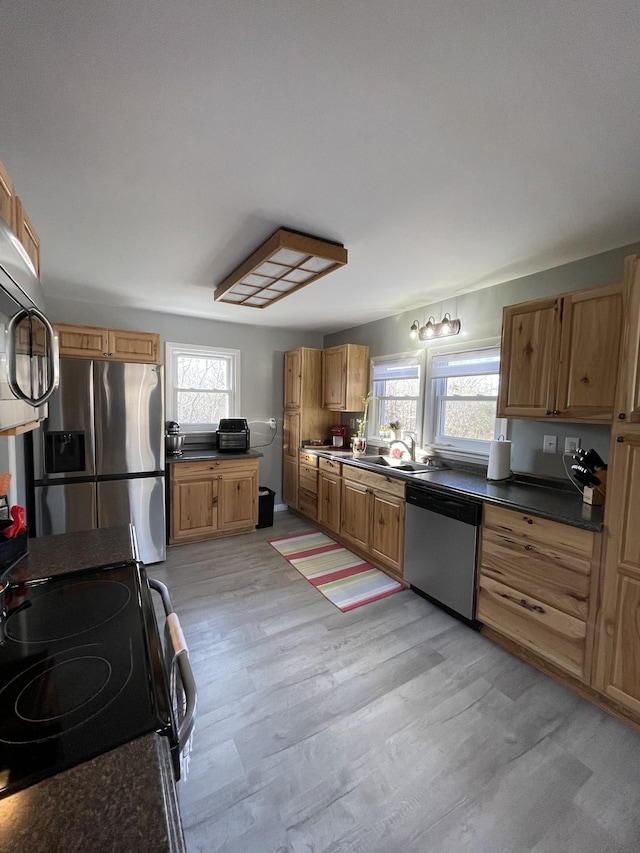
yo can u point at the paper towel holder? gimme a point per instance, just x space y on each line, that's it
495 462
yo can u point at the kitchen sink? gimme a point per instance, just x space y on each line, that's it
409 467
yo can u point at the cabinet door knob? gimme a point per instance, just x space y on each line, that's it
528 547
621 416
529 520
620 439
556 412
548 412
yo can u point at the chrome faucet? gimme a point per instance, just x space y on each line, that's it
411 450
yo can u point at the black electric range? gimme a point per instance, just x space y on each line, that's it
81 672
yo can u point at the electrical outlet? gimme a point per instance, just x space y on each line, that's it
550 444
571 444
272 423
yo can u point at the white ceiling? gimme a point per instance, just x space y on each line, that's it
448 144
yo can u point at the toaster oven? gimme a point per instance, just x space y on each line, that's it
233 435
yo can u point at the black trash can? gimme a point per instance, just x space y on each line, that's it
266 498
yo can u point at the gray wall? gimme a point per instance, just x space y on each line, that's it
262 362
481 316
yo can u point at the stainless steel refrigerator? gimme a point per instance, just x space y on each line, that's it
99 459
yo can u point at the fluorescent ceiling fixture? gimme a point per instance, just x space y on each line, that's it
282 265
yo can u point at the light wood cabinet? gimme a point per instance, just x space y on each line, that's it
617 671
290 481
304 419
26 233
308 484
345 377
13 213
537 586
559 356
627 406
108 344
293 379
212 499
7 195
329 498
372 516
618 659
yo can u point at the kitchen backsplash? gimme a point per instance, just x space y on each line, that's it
527 439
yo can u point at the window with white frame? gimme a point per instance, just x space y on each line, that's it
396 388
464 393
202 385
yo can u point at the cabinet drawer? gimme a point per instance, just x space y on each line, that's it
553 533
330 465
309 459
307 502
551 575
184 470
308 478
554 635
374 481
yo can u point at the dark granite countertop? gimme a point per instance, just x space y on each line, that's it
72 552
545 499
122 800
206 455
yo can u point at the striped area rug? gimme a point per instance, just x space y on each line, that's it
342 577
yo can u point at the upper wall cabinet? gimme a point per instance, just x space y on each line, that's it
108 344
345 377
559 356
7 198
628 396
13 213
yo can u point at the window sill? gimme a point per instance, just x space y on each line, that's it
446 451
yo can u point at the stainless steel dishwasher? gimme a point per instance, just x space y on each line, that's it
441 546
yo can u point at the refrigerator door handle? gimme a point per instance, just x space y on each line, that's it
53 358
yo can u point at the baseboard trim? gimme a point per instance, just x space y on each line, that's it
280 507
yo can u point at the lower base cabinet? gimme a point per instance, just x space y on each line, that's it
537 586
210 499
329 499
372 516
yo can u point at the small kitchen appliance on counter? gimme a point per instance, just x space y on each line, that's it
233 435
173 439
339 437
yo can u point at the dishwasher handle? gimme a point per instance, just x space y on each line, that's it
462 509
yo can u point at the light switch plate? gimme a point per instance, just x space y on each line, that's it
550 444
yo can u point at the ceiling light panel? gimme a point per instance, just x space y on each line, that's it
286 262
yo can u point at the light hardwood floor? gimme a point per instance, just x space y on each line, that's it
391 728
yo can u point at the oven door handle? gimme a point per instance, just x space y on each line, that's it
181 660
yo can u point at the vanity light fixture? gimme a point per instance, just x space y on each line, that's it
283 264
445 329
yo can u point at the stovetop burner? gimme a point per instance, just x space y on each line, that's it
80 672
67 611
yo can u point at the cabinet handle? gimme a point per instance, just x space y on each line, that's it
548 412
528 547
620 439
528 520
621 416
556 411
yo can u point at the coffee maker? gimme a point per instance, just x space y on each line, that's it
339 437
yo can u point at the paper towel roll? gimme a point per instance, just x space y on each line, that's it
499 467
